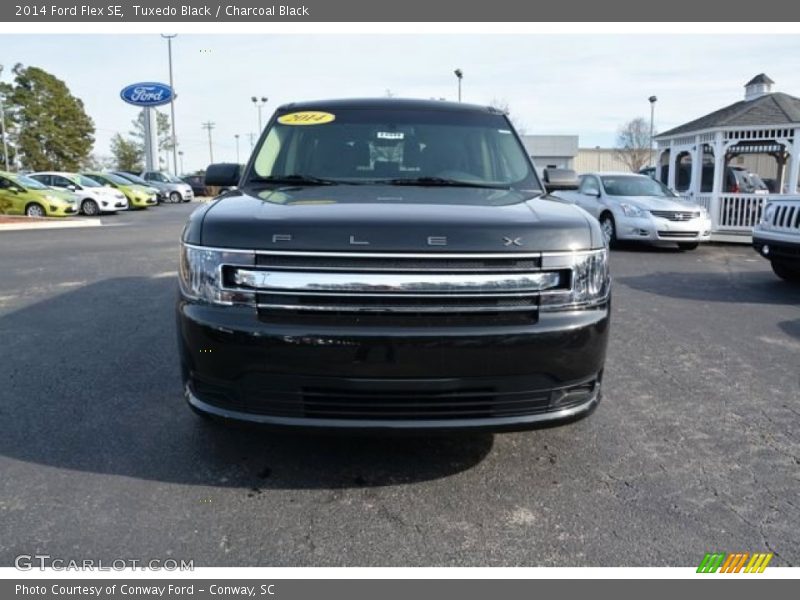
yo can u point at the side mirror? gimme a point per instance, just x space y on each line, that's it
223 174
560 179
72 188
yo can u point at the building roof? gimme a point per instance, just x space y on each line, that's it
770 109
760 78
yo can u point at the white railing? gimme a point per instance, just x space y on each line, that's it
738 212
703 200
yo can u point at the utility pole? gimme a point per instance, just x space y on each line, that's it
652 100
236 135
180 153
3 125
172 105
208 126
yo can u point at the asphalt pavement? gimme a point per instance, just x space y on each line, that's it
695 447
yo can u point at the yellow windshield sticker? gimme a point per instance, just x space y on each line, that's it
307 117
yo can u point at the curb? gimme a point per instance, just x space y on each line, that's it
65 224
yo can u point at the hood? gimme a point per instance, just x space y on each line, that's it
656 203
391 218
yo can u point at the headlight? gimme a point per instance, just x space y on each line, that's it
202 277
590 281
631 211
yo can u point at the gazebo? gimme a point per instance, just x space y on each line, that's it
699 159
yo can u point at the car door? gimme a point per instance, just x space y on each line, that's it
62 183
10 201
588 196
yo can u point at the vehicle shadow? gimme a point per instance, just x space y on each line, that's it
91 383
757 287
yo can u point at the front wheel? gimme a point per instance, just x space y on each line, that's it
174 197
34 210
688 245
90 208
609 229
785 272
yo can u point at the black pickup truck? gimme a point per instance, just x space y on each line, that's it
391 265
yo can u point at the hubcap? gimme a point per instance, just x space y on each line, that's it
90 208
175 197
35 211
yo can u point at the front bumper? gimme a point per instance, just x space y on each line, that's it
656 229
112 205
239 367
143 202
782 247
60 210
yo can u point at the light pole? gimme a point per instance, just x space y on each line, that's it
236 135
169 37
259 107
460 75
653 101
180 154
3 125
208 126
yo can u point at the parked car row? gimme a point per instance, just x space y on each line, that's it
92 193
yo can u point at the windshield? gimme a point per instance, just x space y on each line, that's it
635 185
112 178
397 146
87 181
173 179
133 179
29 182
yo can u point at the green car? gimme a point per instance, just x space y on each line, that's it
20 195
138 196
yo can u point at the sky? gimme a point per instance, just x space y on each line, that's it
554 84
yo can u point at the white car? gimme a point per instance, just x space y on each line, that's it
93 197
636 207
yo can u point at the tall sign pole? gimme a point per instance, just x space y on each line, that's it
147 95
172 105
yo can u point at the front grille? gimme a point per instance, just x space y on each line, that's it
678 234
787 216
672 215
335 403
397 289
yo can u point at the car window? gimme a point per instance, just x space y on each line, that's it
87 181
386 145
5 184
589 186
156 176
45 179
29 183
62 182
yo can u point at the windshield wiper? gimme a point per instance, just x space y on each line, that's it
444 182
295 179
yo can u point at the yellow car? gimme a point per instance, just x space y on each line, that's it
138 196
20 195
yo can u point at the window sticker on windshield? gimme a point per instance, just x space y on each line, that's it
503 131
390 135
306 117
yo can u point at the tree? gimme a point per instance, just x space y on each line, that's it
163 131
633 144
501 104
48 126
127 154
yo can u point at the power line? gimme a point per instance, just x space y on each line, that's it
208 125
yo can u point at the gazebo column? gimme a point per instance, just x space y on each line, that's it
697 168
794 163
671 170
719 163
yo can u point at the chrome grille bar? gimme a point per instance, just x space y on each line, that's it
394 283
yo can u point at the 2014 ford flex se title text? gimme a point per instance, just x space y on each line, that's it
391 264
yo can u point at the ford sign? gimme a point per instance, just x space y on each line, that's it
148 93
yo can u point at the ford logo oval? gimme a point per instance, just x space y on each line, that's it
148 93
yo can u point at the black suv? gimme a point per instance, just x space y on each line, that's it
391 264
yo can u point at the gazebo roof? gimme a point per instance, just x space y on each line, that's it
770 109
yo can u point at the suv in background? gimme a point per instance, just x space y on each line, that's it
777 237
172 188
198 185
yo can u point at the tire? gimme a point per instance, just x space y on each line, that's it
175 197
785 272
35 210
609 228
688 245
89 208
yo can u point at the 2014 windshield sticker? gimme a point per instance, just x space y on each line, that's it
307 117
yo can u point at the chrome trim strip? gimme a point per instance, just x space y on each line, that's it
384 283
